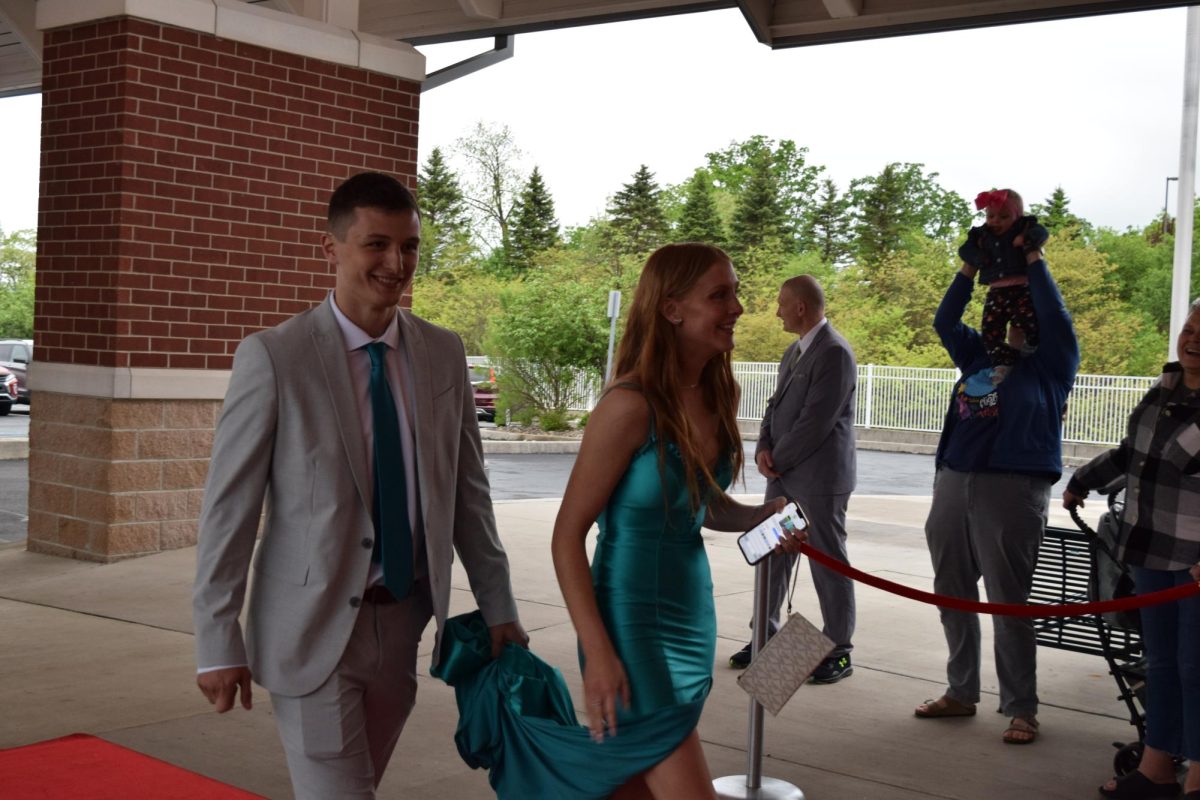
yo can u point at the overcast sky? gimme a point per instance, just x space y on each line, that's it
1092 105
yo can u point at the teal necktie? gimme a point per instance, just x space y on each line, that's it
393 535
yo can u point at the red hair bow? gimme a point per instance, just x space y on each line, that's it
995 199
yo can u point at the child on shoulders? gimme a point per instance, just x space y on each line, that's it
997 249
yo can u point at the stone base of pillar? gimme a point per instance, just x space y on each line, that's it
113 479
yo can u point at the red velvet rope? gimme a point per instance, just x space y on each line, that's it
1003 609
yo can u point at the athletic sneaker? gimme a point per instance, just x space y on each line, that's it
833 669
741 659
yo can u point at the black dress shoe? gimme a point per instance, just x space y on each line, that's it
741 659
833 669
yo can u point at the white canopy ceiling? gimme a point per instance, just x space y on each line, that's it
777 23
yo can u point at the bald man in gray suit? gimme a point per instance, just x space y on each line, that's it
806 451
355 557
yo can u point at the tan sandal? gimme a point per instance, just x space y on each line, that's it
1021 730
944 706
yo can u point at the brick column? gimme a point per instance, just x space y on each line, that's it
184 179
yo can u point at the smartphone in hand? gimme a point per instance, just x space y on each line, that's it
758 542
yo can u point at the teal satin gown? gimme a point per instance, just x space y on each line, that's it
654 590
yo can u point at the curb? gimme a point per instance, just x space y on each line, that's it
12 449
498 447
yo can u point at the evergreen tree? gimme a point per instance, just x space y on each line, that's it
898 203
439 192
443 213
534 228
1055 214
880 220
795 180
826 229
637 220
759 218
699 220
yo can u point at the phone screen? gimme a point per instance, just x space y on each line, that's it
758 542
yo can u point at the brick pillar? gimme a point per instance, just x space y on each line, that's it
183 190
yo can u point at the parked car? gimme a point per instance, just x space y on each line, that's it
485 401
8 391
16 355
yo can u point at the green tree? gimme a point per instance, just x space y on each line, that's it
444 236
902 200
758 219
795 180
550 325
1141 271
698 219
594 245
885 309
18 251
466 302
1107 329
535 227
638 222
826 229
1056 215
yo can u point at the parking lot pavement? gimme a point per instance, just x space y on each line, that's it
15 424
14 500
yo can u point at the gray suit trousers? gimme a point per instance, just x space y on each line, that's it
988 525
339 738
826 532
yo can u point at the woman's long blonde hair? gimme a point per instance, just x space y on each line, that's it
649 354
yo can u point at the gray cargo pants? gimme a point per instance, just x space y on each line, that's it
989 525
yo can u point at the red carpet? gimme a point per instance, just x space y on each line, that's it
82 767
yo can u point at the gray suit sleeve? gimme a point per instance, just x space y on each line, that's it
833 378
233 499
475 536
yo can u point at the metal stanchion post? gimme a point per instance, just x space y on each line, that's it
752 785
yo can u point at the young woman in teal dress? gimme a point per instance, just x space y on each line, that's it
660 448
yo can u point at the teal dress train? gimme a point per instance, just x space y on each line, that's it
654 591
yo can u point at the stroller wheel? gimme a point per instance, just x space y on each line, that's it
1127 758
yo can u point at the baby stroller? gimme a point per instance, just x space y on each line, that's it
1077 566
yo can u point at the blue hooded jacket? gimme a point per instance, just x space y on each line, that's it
1031 399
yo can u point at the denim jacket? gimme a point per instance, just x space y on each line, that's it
996 256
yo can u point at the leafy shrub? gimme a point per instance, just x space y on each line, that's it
556 419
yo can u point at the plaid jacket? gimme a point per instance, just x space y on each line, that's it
1160 459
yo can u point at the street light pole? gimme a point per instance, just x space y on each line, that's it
1166 197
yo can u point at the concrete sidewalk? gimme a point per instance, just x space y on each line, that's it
107 650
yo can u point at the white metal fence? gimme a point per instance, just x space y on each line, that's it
915 398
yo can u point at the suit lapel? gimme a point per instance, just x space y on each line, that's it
817 342
786 366
417 357
331 354
790 374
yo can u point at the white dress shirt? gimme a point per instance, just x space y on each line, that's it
807 339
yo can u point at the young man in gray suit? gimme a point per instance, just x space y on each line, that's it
806 452
357 420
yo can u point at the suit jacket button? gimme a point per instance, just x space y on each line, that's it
355 602
368 543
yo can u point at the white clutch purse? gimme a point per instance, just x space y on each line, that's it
785 662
